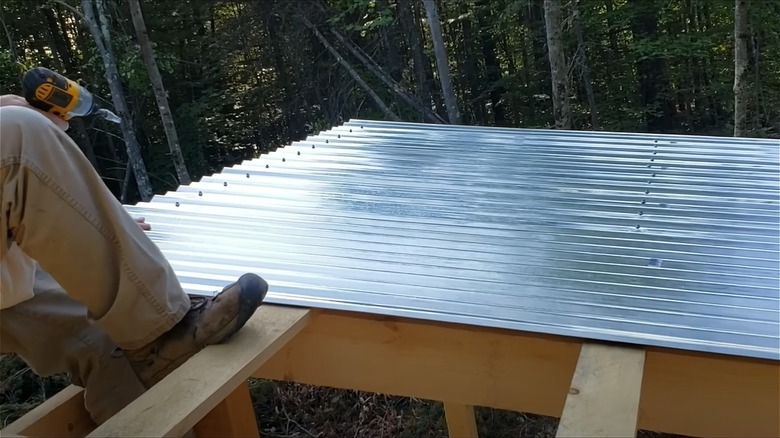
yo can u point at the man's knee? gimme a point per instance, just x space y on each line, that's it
14 115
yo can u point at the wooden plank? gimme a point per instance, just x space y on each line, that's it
458 364
460 420
686 393
233 417
603 399
696 394
62 415
184 397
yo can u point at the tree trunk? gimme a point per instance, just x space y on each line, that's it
441 62
374 68
559 76
584 65
147 52
654 84
406 17
390 43
11 45
375 97
135 159
741 36
613 38
487 40
473 100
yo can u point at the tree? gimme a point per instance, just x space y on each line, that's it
246 78
147 52
100 33
560 77
442 62
741 37
582 58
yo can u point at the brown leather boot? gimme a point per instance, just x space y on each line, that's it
211 320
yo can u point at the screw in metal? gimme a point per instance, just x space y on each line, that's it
224 183
283 160
247 175
177 203
299 152
266 166
200 193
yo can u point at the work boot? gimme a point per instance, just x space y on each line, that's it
211 320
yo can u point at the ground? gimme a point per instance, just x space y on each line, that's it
286 410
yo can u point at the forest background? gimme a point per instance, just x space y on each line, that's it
203 84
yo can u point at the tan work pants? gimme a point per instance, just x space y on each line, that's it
58 211
53 335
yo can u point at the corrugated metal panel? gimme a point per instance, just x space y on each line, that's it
659 240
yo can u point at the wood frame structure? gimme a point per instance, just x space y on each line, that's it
597 389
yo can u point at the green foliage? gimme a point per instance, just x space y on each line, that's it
244 77
10 74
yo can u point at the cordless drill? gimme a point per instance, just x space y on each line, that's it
56 94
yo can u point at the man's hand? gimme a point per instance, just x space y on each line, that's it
142 223
14 100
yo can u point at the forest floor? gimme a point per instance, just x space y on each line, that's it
287 410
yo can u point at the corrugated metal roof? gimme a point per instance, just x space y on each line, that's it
659 240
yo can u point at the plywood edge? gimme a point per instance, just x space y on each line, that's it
62 415
178 402
605 390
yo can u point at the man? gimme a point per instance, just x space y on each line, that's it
83 290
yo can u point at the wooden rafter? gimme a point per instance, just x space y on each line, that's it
672 391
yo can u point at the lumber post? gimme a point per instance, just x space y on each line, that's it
604 396
460 420
233 417
178 402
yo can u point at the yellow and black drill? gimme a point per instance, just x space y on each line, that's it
56 94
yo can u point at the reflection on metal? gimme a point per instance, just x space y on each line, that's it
667 241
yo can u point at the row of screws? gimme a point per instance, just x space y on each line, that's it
650 181
200 193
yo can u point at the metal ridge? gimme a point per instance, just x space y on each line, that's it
660 240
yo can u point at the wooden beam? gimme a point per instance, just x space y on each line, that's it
184 397
686 393
454 363
696 394
460 420
62 415
603 399
233 417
